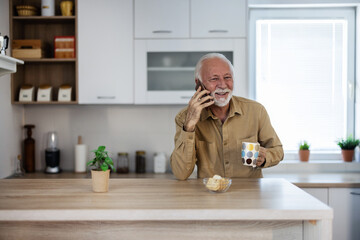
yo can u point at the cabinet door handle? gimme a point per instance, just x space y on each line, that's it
218 31
106 97
185 97
162 31
354 193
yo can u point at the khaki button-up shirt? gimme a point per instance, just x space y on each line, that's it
216 147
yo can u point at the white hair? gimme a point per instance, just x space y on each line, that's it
209 56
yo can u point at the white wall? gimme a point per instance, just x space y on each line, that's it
295 2
119 127
357 85
10 116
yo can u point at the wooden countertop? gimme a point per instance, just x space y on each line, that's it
156 199
303 180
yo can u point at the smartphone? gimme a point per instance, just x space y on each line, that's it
200 84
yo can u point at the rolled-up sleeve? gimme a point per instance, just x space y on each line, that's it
183 158
269 140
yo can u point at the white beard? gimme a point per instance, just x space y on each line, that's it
221 102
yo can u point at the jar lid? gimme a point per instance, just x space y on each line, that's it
122 153
140 152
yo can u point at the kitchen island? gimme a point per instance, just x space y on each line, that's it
160 209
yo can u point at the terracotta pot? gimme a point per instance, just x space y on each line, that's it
100 180
347 155
304 155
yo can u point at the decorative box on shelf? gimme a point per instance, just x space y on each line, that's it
44 93
27 48
64 47
64 94
26 93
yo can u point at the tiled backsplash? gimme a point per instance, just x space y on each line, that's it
121 128
127 128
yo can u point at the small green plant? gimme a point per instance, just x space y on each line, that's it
304 145
348 144
101 161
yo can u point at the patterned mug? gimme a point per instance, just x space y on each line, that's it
249 153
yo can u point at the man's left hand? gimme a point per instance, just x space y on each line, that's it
261 158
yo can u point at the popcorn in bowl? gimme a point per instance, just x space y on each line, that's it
217 183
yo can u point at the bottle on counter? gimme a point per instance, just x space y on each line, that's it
19 171
140 162
122 165
159 162
29 150
80 156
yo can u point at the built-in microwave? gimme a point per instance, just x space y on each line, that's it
164 69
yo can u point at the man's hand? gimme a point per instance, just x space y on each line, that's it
196 105
261 158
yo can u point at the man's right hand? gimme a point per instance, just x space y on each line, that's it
196 104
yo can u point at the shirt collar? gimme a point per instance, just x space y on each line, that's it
234 108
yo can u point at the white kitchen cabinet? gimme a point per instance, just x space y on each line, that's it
319 193
164 69
162 18
218 18
105 51
346 205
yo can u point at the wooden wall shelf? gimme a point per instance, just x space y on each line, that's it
49 60
41 18
46 103
47 70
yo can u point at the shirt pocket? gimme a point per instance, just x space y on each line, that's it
206 155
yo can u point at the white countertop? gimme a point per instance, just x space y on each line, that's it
319 180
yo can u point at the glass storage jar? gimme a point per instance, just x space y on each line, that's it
140 162
122 163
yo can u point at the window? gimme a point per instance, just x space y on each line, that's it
302 71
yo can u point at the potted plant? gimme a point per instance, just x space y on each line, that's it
100 174
347 147
304 151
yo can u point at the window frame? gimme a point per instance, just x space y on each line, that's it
276 12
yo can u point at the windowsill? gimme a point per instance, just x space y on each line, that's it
314 166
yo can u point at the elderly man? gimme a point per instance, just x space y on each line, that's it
211 129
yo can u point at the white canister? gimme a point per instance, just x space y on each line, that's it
159 163
81 153
48 8
357 154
